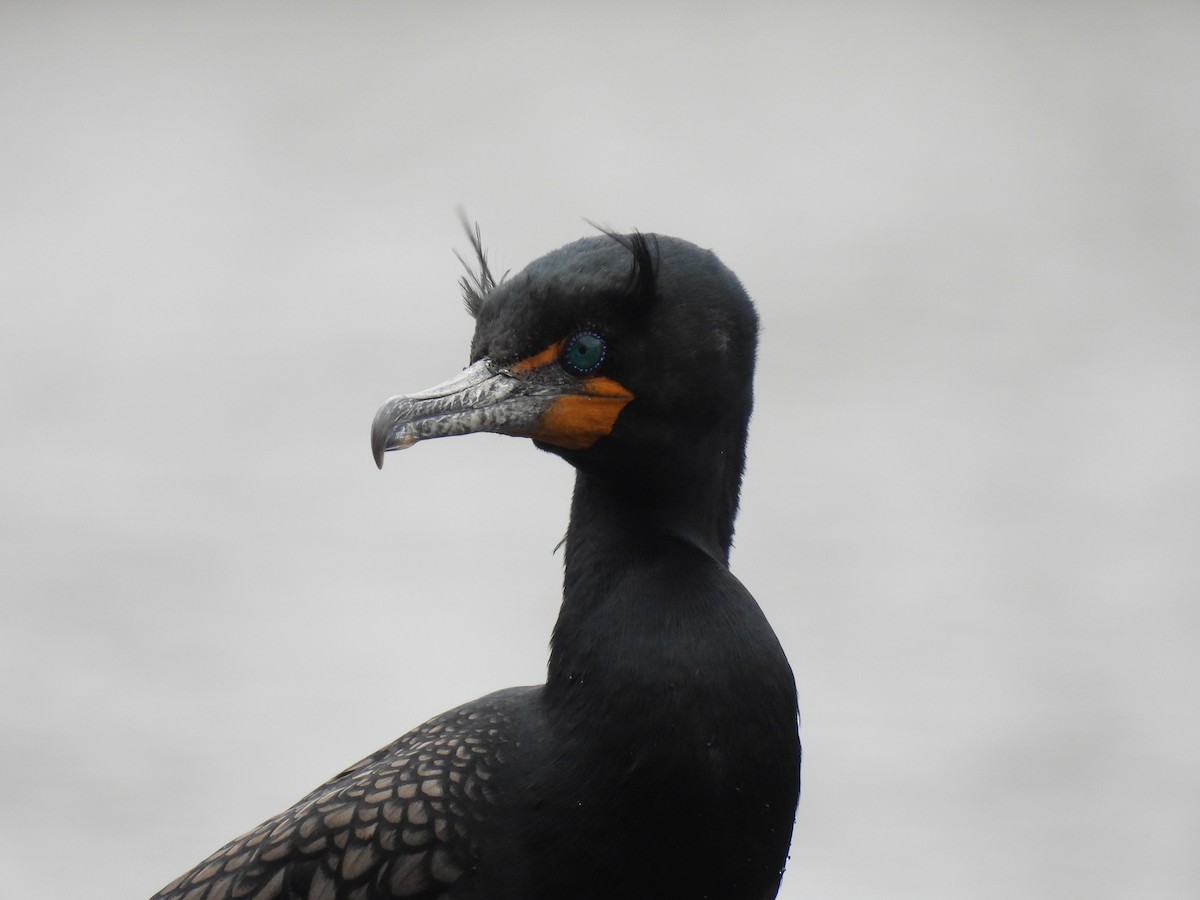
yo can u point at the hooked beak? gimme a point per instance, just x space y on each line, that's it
532 398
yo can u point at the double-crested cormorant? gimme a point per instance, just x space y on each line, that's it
661 758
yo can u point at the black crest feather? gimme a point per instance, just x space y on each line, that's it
478 281
643 270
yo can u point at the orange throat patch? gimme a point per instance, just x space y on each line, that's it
577 421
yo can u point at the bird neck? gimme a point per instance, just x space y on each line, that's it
624 539
614 519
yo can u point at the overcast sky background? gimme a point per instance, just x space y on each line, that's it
972 509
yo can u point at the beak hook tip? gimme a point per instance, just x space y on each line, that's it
378 447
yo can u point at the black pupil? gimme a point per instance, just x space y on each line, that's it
585 352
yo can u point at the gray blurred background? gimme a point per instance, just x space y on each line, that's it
972 509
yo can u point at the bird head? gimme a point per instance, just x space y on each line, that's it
630 353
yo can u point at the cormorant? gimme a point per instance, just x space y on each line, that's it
661 758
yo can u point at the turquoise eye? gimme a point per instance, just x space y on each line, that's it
583 353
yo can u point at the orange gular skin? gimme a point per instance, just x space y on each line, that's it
576 421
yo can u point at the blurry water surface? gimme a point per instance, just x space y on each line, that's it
972 509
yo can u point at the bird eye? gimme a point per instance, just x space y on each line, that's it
583 353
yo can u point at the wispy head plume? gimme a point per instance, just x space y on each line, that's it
478 281
643 270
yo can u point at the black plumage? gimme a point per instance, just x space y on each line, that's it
661 757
